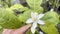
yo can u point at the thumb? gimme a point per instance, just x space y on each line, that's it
23 29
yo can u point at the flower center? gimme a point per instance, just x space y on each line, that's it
35 19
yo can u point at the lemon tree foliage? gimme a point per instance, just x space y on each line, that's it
49 29
35 5
16 7
8 19
51 17
23 17
19 7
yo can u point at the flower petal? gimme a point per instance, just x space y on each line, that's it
29 21
41 32
40 16
41 22
34 25
52 9
34 14
33 28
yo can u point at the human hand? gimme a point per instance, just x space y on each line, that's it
21 30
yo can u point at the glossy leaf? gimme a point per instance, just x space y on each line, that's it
35 5
49 29
23 17
8 19
51 17
16 6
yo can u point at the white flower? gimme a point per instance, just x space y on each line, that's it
35 18
52 9
41 32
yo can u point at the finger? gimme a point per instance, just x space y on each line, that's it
23 29
8 31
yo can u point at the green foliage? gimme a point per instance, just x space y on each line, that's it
8 19
3 5
16 6
19 7
58 25
35 5
51 17
29 32
49 29
23 17
1 29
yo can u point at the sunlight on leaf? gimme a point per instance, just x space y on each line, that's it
35 5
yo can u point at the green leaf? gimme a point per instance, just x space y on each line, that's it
16 7
35 5
29 31
1 29
51 17
49 29
26 15
8 19
3 5
58 27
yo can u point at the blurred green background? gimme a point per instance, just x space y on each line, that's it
47 5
